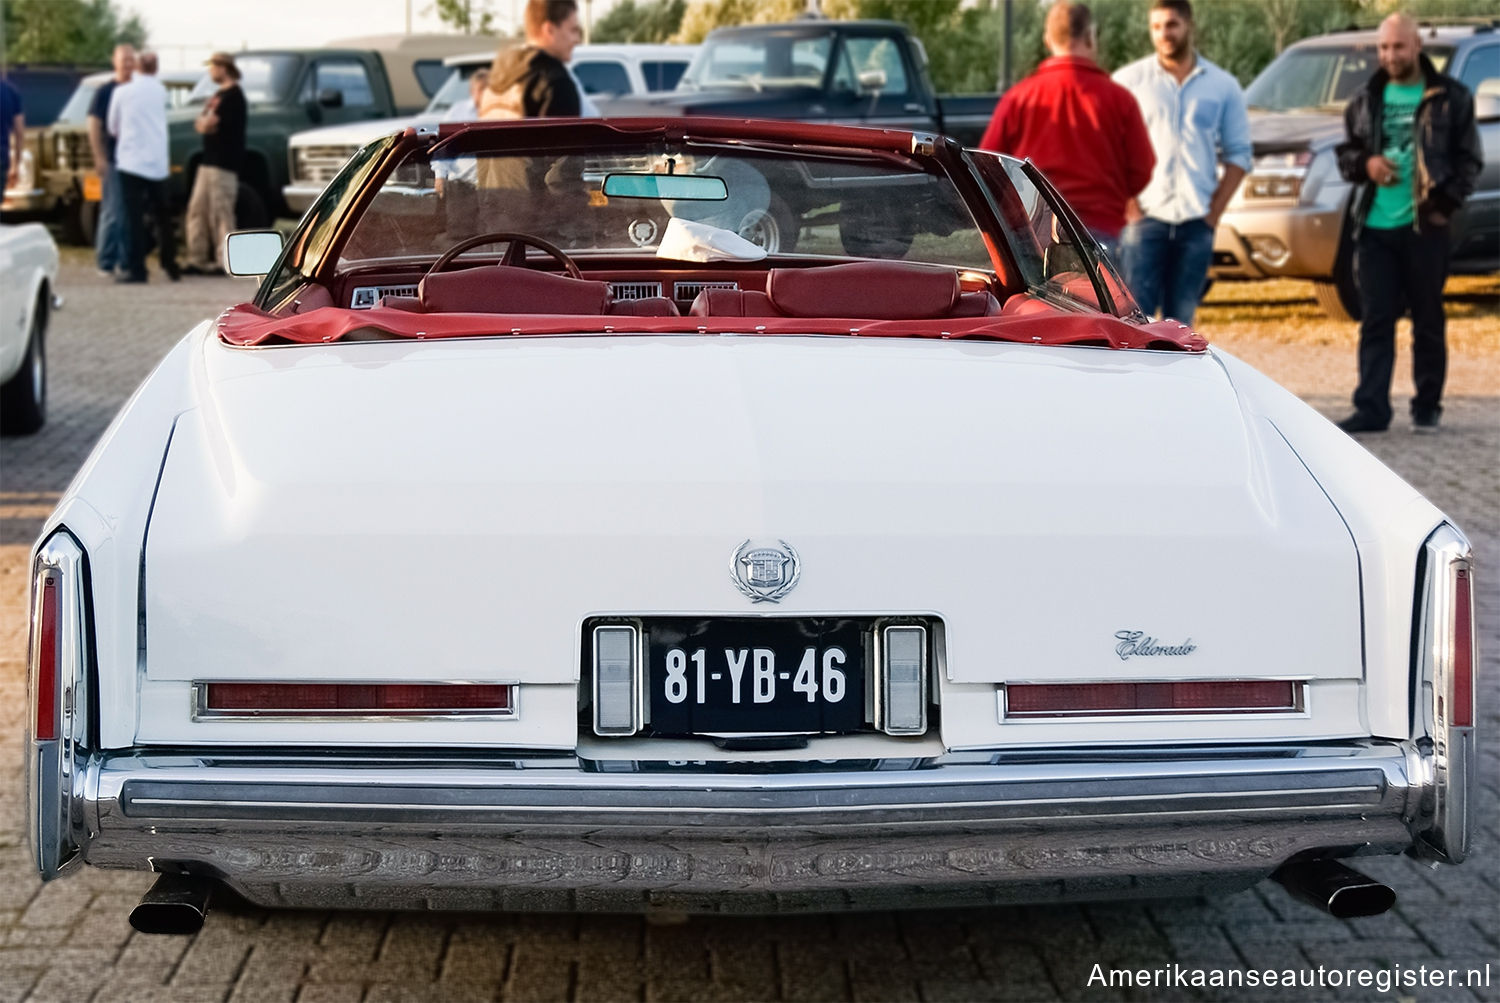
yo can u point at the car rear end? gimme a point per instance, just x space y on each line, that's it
681 660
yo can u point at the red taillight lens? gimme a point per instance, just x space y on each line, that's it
48 610
382 699
1463 651
1098 699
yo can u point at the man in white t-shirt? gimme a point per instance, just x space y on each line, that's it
138 121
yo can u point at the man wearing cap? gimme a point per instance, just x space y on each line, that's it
210 211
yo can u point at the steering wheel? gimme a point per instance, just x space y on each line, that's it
515 254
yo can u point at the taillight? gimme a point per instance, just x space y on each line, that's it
353 699
1236 696
46 664
1463 650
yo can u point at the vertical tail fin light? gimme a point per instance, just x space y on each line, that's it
45 661
1462 713
617 687
902 708
57 684
1443 692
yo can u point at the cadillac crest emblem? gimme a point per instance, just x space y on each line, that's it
764 573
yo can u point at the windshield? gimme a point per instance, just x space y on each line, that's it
1320 77
810 206
454 90
264 79
763 61
76 111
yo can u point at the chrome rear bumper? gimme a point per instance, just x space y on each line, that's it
557 832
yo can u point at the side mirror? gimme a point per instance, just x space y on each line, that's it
871 80
252 252
331 97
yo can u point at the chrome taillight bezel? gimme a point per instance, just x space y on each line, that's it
53 766
1441 821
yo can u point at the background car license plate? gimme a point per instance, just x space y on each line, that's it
761 676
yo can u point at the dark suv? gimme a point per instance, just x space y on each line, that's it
1290 217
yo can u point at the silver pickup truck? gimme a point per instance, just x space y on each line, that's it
1290 217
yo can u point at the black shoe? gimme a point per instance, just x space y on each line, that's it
1425 423
1358 422
174 273
129 280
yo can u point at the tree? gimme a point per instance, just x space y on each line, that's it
82 32
472 17
704 16
648 21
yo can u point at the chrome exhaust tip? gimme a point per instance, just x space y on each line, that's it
175 904
1340 891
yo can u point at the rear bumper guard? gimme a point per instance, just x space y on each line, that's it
288 830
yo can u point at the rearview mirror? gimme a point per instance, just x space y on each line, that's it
251 252
331 97
872 80
681 187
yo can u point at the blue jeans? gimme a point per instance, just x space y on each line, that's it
1166 265
110 233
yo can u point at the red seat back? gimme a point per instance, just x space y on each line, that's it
506 289
869 290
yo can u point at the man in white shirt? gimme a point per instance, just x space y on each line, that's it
138 121
1196 115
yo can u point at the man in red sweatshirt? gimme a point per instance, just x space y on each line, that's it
1081 128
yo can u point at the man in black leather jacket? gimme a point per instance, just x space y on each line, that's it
1412 146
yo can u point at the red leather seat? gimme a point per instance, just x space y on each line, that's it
732 303
509 290
863 290
645 306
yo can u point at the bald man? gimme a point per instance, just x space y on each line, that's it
1413 148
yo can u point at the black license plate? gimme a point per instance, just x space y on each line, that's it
755 676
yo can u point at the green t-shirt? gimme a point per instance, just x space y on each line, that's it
1392 206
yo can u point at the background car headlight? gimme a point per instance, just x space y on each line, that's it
1278 176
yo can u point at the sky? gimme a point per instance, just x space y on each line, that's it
185 32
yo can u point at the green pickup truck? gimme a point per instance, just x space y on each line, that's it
287 91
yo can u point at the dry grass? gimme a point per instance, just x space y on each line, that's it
1284 312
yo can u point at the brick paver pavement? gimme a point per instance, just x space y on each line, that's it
70 940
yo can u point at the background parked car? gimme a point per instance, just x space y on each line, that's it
846 72
66 188
1290 217
316 155
44 91
28 278
286 90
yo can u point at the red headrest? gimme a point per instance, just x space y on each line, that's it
869 290
506 289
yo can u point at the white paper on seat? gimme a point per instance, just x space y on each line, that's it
685 240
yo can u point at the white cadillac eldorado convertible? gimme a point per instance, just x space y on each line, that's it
535 540
28 284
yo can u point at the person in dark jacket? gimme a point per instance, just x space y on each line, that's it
1413 148
532 81
210 210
